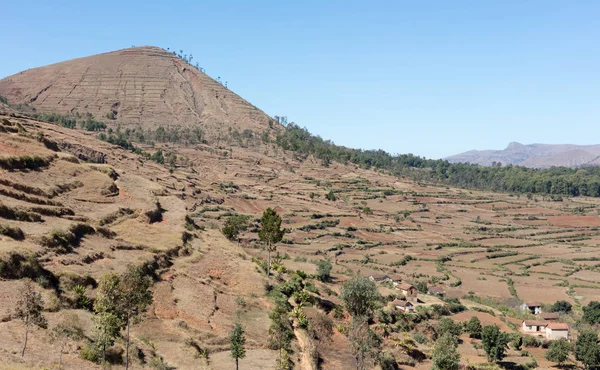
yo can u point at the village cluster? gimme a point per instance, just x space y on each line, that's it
545 325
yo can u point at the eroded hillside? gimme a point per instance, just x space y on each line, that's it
75 208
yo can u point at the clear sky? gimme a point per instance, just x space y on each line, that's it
433 78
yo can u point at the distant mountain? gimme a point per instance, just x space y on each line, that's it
534 155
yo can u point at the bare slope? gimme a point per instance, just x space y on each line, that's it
142 85
533 155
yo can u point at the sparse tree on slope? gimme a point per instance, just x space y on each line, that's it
135 297
360 296
270 233
237 342
558 351
30 307
474 327
494 343
587 349
445 355
233 226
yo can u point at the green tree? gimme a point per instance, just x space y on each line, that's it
134 297
234 226
558 351
561 306
445 355
494 343
106 329
591 312
68 329
360 296
107 322
330 196
29 310
474 328
237 341
324 269
587 349
448 326
270 233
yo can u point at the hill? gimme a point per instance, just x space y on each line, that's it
145 86
80 201
533 155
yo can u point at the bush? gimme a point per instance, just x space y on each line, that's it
324 269
15 266
12 232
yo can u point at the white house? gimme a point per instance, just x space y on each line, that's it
532 307
556 330
403 305
534 326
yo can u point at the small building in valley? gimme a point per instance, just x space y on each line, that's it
380 278
532 307
437 290
409 291
403 305
556 330
550 316
534 326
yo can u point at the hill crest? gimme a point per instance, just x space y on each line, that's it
145 86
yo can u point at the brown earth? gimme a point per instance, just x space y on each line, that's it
474 244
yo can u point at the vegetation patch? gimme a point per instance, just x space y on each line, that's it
12 232
18 214
25 162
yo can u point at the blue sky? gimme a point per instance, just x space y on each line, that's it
433 78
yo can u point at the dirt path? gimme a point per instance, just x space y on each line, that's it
306 361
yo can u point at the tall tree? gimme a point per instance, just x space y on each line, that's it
237 340
360 296
494 343
444 355
30 307
270 233
587 349
107 321
558 351
234 226
134 297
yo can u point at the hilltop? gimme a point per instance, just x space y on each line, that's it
141 86
534 155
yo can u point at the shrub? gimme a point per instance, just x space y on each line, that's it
15 266
12 232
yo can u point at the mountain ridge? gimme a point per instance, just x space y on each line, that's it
534 155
